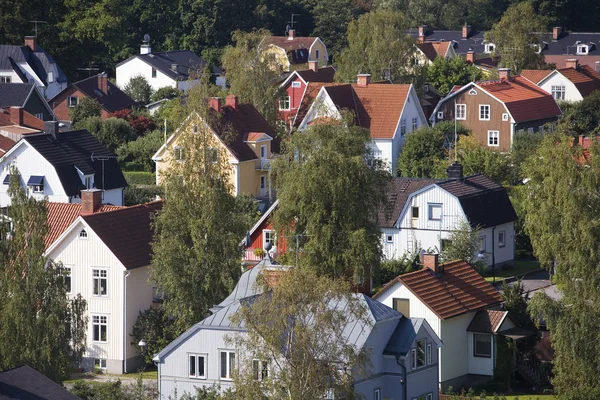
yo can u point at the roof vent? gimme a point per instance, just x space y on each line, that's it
174 67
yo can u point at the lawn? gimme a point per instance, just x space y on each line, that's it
526 397
521 267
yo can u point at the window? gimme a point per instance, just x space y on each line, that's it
39 116
493 138
296 85
212 154
413 359
82 234
100 363
428 396
260 370
317 53
72 101
263 151
5 79
376 394
100 282
263 182
178 153
88 182
100 328
541 129
195 129
489 48
389 238
482 243
227 364
558 92
421 348
402 305
582 49
68 279
197 366
50 76
435 212
472 92
440 115
484 112
482 345
268 237
402 127
284 103
461 111
38 188
429 354
504 116
501 238
415 124
529 130
154 72
415 212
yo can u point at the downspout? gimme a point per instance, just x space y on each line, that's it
126 274
404 381
494 251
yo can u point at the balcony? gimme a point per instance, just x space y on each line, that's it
263 164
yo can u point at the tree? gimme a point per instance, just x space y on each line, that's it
111 132
463 244
303 342
377 42
86 108
444 73
331 21
139 90
166 92
582 118
39 325
156 328
476 158
515 37
142 149
329 196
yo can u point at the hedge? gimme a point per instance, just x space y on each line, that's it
135 178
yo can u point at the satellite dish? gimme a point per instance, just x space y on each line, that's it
146 38
287 29
422 255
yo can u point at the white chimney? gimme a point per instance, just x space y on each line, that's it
145 49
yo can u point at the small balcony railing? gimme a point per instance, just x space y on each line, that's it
263 164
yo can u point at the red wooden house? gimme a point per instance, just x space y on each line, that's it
257 238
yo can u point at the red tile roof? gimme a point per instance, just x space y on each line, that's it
487 321
459 289
535 75
311 92
5 144
584 78
434 49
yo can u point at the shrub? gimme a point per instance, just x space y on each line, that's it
135 178
135 195
139 90
86 108
141 150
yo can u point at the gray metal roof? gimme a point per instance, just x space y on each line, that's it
403 336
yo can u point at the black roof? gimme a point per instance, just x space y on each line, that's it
25 383
73 150
397 194
112 101
14 94
39 61
186 61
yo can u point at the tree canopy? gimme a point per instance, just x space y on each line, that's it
444 73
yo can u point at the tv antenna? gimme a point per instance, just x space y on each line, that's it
146 38
291 25
103 159
36 25
91 67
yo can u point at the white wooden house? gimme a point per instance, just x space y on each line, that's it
202 356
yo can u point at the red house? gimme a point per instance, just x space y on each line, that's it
257 238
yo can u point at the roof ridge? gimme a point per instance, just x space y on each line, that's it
124 208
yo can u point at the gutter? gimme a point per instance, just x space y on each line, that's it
125 275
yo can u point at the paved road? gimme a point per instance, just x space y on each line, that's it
535 282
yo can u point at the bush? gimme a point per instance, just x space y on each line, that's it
139 123
111 132
389 269
156 329
135 178
86 108
166 92
140 195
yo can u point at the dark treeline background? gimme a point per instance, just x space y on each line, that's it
105 32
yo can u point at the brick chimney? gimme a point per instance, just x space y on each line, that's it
470 57
466 31
231 101
16 115
145 49
572 63
432 261
455 171
291 34
504 74
422 32
363 80
313 65
103 82
91 200
215 103
556 32
30 42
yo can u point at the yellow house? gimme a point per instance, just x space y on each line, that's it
427 52
293 52
235 135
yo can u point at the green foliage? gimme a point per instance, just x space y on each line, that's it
142 149
582 118
156 328
503 371
115 390
522 241
166 92
463 244
134 178
111 132
330 196
515 302
86 108
444 73
139 90
331 21
389 269
523 146
134 195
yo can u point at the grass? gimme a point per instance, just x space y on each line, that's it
520 268
526 397
89 377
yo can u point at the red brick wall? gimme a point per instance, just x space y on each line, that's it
61 108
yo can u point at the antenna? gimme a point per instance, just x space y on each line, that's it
146 38
102 158
36 25
91 67
291 26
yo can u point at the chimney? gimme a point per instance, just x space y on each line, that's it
16 115
504 74
432 262
466 31
103 82
91 200
51 128
313 65
215 103
455 171
231 101
470 57
556 32
145 49
291 34
175 67
422 30
363 80
572 63
30 42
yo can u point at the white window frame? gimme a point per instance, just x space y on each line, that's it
424 342
100 363
228 367
461 112
197 357
493 138
88 181
5 79
428 396
583 49
482 113
413 358
72 101
489 48
415 124
389 238
402 127
317 53
37 188
377 394
99 275
296 85
502 243
261 366
100 321
482 244
263 182
40 116
68 280
475 354
283 101
530 130
440 115
179 153
212 154
428 355
268 237
430 214
50 76
263 151
558 92
504 116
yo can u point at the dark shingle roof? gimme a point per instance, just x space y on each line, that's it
397 193
127 232
324 74
112 101
187 62
487 321
39 61
25 383
14 94
73 150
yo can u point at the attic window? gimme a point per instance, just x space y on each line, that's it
489 48
582 49
473 92
5 79
36 183
296 85
50 77
83 234
195 128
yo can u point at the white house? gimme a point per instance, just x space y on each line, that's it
423 213
388 111
108 254
59 165
455 300
402 351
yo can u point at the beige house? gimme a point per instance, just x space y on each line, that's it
427 52
234 135
293 52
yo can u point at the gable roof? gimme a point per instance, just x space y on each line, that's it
187 63
585 79
310 94
535 75
39 62
434 49
127 232
398 192
15 94
73 150
487 321
324 74
25 383
459 289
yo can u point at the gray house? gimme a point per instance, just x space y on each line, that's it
403 351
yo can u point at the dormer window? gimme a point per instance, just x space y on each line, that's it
582 49
536 47
489 48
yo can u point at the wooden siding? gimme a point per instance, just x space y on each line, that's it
256 242
296 95
453 355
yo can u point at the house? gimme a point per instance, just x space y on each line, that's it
293 52
31 64
458 305
99 88
486 63
108 256
572 83
57 165
28 97
25 383
16 123
260 236
234 132
402 351
174 69
429 98
427 52
494 110
295 88
388 111
423 213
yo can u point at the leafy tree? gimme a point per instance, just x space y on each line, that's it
329 196
316 355
444 73
134 195
476 158
156 328
142 149
39 325
582 118
331 21
111 132
523 146
514 35
139 90
463 244
377 42
389 269
166 92
86 108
